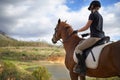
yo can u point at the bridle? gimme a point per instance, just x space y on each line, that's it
68 37
83 35
55 35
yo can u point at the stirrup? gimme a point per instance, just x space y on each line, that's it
76 69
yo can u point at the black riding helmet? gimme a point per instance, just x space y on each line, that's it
95 3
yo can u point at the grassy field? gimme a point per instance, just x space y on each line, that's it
19 61
30 53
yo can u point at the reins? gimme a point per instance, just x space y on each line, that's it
67 38
63 41
83 35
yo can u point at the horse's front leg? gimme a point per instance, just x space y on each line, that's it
73 76
82 78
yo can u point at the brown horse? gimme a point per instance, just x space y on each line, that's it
109 61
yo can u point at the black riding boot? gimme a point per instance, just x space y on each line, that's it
81 66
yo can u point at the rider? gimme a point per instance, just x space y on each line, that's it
95 23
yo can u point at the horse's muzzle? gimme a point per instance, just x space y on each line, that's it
54 41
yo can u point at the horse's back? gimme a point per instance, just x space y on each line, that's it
109 62
115 55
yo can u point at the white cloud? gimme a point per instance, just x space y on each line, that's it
36 19
12 10
111 17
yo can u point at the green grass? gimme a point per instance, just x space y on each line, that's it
28 53
13 72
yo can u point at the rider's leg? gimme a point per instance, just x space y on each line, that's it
81 66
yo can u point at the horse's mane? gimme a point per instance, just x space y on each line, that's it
69 27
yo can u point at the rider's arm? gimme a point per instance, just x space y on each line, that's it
86 26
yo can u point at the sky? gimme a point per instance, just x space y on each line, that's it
35 20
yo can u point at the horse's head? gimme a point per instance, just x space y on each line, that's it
57 33
60 27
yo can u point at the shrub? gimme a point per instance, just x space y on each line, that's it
41 73
12 72
9 71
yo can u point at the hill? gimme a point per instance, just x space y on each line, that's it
5 40
5 37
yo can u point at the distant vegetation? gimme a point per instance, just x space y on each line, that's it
23 43
8 41
29 53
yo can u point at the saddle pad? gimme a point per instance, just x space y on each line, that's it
90 63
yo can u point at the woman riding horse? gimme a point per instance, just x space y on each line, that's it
109 61
95 23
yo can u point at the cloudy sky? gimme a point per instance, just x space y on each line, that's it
36 19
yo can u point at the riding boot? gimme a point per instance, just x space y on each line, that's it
81 66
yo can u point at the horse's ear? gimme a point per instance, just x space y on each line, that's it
59 21
65 21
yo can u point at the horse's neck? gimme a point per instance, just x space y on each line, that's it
71 43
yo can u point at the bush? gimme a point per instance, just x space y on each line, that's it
41 73
11 72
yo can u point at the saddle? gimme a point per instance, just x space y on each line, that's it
104 40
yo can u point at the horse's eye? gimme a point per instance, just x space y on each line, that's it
56 29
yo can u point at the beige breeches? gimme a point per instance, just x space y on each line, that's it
86 44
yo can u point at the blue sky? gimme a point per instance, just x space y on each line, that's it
109 2
36 19
77 4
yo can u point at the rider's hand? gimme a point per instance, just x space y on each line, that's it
75 31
